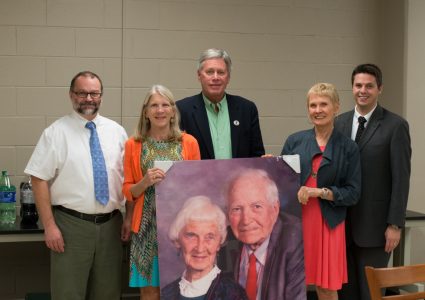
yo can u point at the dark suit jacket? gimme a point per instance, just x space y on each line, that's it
244 126
338 171
284 276
385 160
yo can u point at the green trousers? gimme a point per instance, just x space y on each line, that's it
90 267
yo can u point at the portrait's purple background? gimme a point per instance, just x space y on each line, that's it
186 179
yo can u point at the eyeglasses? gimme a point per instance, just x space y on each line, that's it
93 95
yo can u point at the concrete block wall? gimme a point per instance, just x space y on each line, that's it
279 49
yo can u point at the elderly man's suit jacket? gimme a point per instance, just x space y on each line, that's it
284 276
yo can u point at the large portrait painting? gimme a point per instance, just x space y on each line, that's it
212 214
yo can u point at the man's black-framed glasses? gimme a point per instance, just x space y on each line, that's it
93 95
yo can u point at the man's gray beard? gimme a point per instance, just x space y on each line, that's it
88 111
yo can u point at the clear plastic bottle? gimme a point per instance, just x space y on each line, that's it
28 212
7 200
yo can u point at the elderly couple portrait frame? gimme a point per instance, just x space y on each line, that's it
224 207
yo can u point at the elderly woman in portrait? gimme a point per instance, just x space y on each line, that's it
198 231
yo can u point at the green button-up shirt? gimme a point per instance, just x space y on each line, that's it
219 123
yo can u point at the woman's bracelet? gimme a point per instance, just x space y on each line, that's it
325 193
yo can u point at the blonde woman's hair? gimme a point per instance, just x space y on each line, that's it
144 125
324 89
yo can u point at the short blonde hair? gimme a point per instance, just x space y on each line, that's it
324 89
144 125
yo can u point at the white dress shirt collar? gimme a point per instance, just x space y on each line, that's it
198 287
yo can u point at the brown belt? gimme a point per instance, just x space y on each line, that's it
95 218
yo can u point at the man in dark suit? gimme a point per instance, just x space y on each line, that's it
226 126
267 256
374 224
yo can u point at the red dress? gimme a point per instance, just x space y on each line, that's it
324 248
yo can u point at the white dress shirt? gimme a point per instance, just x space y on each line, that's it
62 157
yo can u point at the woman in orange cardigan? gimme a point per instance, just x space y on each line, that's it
157 137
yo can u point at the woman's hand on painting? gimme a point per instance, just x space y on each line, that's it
153 176
304 193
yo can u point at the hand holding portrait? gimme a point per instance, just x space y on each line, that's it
153 176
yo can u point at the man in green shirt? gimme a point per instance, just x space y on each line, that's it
225 125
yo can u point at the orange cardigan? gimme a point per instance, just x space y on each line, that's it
133 171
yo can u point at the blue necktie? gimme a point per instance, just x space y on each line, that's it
100 175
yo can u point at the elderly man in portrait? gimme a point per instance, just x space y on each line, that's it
268 258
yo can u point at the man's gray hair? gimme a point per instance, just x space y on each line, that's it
215 53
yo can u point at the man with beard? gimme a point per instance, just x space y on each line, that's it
77 173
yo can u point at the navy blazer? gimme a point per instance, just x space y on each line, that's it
385 153
244 126
338 171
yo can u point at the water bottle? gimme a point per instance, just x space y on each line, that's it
7 200
28 212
